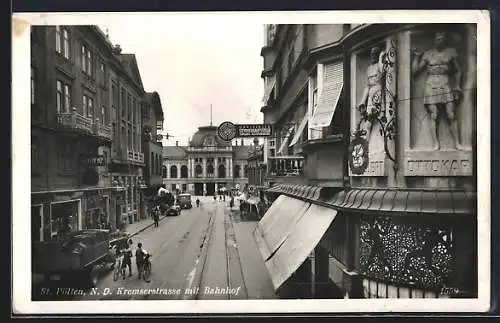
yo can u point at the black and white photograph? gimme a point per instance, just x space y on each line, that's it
251 162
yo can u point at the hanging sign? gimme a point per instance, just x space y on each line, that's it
90 161
228 130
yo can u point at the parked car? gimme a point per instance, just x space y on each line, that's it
174 210
78 255
184 201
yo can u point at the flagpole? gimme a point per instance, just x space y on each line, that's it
210 114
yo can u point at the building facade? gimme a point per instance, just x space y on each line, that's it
85 152
152 121
389 190
207 165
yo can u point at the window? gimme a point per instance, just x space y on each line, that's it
164 171
66 43
103 114
65 157
62 41
123 102
88 106
114 91
129 107
102 73
32 85
86 57
58 40
63 97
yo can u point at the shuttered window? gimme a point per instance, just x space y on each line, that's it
333 77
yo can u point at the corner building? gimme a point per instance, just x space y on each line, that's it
86 154
387 205
206 165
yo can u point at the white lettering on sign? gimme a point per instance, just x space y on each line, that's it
438 163
438 167
254 131
376 166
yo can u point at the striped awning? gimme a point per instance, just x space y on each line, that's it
406 202
303 191
299 131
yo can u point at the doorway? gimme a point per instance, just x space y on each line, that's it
198 189
210 189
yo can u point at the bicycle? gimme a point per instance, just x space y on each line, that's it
119 269
146 268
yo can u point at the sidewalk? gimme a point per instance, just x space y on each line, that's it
257 280
139 226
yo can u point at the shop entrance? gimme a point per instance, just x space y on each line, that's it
64 217
198 189
210 189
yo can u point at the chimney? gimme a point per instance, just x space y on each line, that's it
117 49
176 143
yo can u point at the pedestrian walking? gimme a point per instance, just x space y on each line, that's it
127 257
197 202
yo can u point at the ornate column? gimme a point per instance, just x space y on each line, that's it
230 167
204 167
216 167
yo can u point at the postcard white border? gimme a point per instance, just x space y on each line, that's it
21 296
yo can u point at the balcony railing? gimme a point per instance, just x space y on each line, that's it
211 149
103 130
74 120
286 166
135 156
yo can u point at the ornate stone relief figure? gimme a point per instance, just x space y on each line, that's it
442 86
372 95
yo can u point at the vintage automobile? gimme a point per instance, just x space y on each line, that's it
184 201
174 210
76 256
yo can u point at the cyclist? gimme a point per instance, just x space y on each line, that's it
127 257
139 257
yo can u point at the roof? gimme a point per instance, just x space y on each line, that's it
154 99
203 132
130 64
174 152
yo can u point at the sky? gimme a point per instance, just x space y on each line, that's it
194 63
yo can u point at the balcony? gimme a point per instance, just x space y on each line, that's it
135 156
75 121
103 131
209 149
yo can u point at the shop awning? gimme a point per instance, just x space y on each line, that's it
406 202
299 131
286 139
276 224
303 237
304 191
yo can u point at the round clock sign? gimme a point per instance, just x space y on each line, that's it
226 131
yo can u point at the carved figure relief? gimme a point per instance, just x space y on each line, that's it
441 88
406 253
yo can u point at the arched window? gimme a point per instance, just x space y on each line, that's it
184 171
222 171
210 169
245 171
198 171
164 171
173 171
159 167
237 171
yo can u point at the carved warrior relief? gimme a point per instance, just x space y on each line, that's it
406 253
375 127
442 102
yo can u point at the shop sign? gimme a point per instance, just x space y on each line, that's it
358 155
90 161
228 130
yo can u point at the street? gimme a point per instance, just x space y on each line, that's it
195 255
